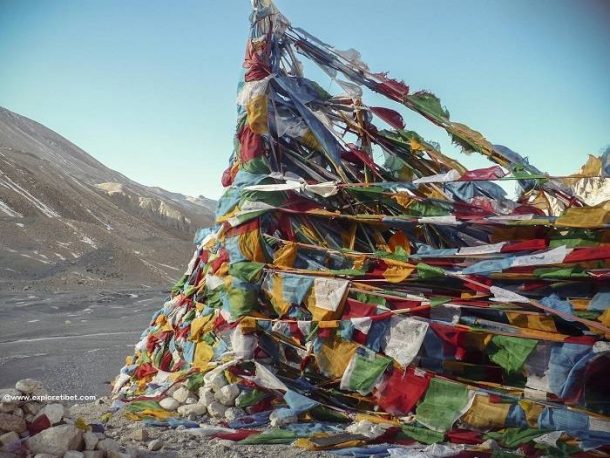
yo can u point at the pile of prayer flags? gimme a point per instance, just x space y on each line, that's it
358 275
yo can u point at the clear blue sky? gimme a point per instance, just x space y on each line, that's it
148 86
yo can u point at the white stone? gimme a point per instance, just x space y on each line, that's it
8 399
117 454
132 452
91 440
192 409
217 381
9 438
74 454
233 413
54 412
227 394
216 409
93 454
191 400
169 403
45 455
155 445
181 394
140 434
10 422
29 386
206 396
56 440
108 444
32 407
172 389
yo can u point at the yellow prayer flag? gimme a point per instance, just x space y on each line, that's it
257 114
484 414
286 255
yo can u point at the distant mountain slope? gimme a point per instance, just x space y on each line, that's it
67 219
592 190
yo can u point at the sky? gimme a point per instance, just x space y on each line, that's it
148 87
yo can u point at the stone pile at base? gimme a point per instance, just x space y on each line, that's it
32 427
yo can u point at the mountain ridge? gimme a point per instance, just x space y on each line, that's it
66 219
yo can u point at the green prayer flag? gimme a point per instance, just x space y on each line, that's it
514 437
364 370
442 405
194 381
242 297
429 104
423 435
370 299
249 398
426 271
272 436
439 300
511 352
246 270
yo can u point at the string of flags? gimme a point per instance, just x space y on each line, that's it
364 293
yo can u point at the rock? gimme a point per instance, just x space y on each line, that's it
233 413
117 454
19 412
181 394
54 412
217 381
172 389
227 394
132 452
91 440
216 409
206 396
9 399
141 434
29 386
93 454
74 454
191 400
44 455
32 407
155 445
192 409
10 422
106 445
56 440
169 403
8 440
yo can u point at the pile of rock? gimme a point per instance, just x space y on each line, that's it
32 427
216 398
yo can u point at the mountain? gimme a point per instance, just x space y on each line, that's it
592 190
66 219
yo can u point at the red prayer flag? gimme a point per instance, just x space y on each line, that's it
393 118
402 390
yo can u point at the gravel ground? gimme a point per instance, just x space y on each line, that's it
74 342
181 443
